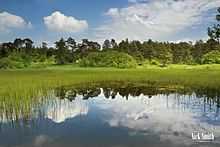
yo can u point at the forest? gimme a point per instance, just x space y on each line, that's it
21 53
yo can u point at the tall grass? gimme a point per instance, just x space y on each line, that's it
30 80
21 89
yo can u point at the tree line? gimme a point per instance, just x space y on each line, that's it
22 52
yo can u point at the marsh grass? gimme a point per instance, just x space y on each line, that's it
32 79
21 89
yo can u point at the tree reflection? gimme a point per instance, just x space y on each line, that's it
20 108
130 90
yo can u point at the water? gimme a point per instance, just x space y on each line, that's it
113 116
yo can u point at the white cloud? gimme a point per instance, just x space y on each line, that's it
58 22
156 19
10 21
59 111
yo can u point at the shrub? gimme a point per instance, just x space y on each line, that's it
6 63
20 60
15 61
154 62
50 60
139 58
212 57
108 59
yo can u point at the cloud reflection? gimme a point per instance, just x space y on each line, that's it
60 110
172 117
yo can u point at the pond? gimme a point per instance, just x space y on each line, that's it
113 115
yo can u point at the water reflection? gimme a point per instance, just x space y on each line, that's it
115 115
58 111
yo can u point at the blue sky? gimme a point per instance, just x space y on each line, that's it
48 20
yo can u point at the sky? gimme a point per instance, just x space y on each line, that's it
162 20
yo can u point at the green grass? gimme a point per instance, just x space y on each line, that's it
54 76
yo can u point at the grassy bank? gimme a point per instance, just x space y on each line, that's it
14 80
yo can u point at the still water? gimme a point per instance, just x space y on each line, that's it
111 116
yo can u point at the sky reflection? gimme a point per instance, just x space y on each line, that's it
138 120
